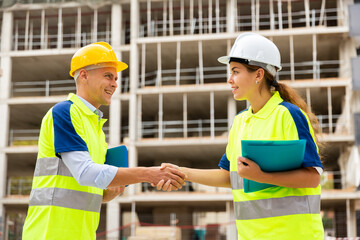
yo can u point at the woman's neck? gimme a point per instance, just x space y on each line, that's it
259 100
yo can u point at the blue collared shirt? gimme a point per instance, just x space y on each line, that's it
84 170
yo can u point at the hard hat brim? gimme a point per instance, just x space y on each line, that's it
224 59
120 66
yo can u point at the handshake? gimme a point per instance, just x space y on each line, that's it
168 177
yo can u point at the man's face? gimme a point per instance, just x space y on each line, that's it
100 85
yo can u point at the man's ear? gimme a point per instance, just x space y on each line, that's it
83 75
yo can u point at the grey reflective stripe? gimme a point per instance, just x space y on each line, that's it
51 166
275 207
236 181
65 198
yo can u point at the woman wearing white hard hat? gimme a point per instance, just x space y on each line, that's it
290 209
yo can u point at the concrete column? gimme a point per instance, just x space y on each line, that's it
78 28
231 15
231 110
116 25
6 41
3 174
4 121
6 32
139 116
350 218
231 232
134 77
115 122
212 114
5 78
2 222
347 50
95 26
60 30
5 85
112 220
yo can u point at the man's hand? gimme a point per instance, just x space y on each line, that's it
167 185
112 192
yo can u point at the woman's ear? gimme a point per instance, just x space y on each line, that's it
260 74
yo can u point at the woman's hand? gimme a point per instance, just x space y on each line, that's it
249 169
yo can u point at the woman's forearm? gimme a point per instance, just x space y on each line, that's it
209 177
300 178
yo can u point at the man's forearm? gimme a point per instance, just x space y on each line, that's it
126 176
153 175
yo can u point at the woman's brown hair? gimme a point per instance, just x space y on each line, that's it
289 95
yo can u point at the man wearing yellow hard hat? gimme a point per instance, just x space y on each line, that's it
70 179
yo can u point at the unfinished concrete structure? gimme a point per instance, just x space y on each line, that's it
173 103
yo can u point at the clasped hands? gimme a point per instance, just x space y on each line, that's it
174 180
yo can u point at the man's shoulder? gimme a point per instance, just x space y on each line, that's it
62 107
65 111
66 108
59 109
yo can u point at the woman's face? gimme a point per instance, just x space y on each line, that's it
243 82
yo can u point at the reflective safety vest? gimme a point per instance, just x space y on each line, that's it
60 208
275 212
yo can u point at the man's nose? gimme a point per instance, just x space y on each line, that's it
114 83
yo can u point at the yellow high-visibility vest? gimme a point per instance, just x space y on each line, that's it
276 212
60 208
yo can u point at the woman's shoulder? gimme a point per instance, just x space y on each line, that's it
292 109
293 113
289 106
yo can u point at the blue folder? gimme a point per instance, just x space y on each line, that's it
272 156
117 156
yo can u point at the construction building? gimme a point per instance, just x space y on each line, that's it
173 103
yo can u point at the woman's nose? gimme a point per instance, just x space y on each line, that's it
230 79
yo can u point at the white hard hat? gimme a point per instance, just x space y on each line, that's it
255 50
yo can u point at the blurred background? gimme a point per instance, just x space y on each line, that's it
173 103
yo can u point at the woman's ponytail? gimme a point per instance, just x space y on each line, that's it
290 95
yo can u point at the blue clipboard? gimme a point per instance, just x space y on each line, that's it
272 156
117 156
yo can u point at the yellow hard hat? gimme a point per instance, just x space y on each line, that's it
95 53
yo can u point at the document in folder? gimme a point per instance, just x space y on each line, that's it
272 156
117 156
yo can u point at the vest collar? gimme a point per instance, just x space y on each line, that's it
76 100
268 108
